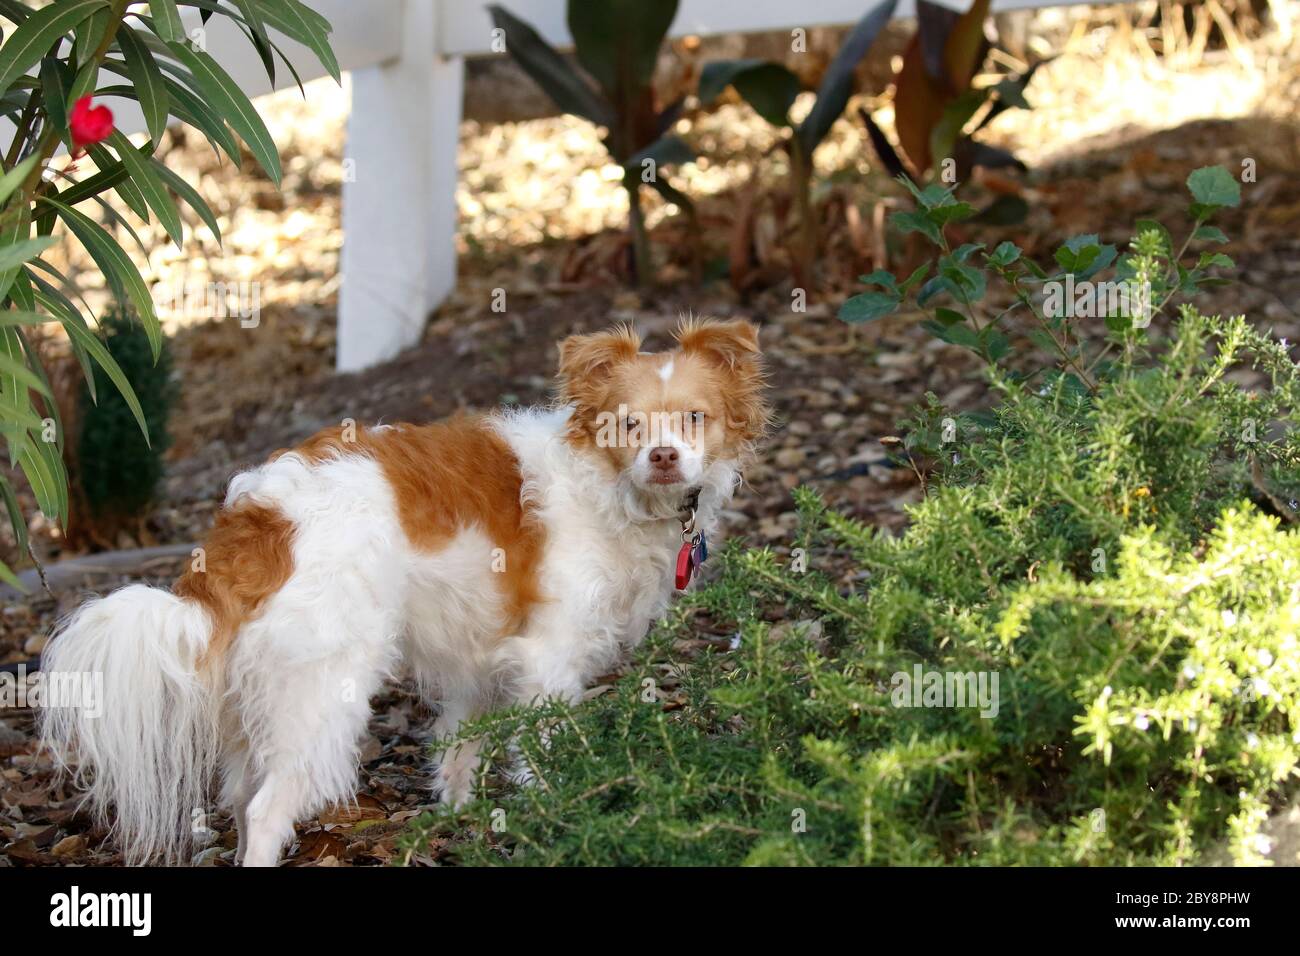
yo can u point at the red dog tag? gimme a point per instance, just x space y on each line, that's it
685 565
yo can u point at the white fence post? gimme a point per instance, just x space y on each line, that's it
399 194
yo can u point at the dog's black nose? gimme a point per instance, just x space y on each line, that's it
663 457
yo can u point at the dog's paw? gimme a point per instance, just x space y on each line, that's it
453 783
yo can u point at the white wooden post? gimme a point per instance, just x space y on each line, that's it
399 194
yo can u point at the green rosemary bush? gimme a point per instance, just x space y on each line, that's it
1111 556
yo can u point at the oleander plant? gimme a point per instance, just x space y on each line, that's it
67 168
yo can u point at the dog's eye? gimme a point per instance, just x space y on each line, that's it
696 418
631 421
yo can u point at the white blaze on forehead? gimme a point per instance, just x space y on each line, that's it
666 372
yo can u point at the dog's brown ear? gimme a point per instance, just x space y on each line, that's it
733 344
732 348
586 362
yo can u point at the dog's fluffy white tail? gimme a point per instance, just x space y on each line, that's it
145 744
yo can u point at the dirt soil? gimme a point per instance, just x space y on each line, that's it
248 392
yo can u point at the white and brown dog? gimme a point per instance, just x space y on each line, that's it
506 558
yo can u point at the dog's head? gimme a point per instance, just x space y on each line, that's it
663 419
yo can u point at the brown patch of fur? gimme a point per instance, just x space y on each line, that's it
732 349
247 558
447 477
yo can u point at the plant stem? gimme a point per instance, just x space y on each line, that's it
636 224
800 188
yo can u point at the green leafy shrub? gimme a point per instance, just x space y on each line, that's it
116 469
1104 551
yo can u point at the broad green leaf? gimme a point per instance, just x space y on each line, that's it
551 71
230 102
837 83
1005 254
148 80
151 186
881 277
665 151
910 221
25 47
768 87
118 269
1210 234
1214 186
868 306
617 41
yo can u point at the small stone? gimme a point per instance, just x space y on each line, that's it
790 457
833 420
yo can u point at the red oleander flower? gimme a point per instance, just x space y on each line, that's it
89 124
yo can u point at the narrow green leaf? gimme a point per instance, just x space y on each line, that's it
100 353
191 195
150 186
19 252
15 227
11 579
167 20
56 87
231 103
118 269
298 23
16 373
38 33
15 177
89 34
16 520
148 80
125 188
261 42
39 461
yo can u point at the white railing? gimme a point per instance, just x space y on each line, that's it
399 201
